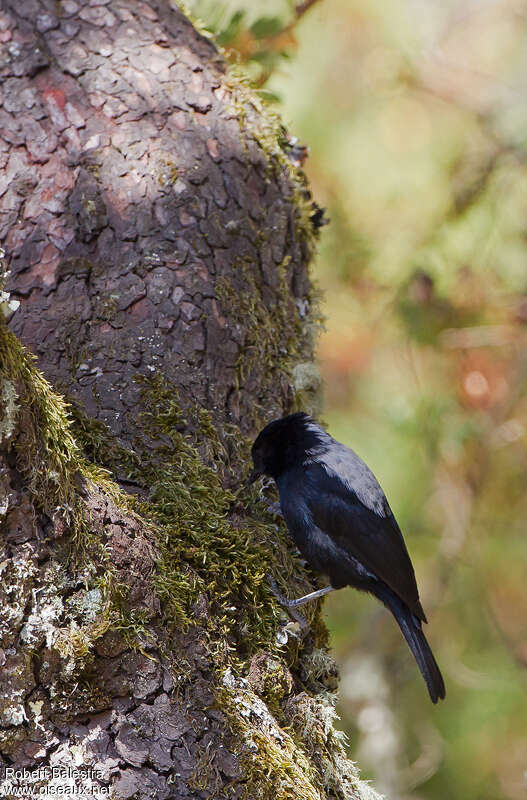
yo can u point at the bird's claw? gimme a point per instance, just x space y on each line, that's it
288 604
265 484
274 509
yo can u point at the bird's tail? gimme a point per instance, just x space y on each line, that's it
412 632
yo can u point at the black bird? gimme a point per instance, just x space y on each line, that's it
340 520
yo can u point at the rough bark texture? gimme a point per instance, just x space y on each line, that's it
158 237
141 215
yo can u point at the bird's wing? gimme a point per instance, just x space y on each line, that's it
370 536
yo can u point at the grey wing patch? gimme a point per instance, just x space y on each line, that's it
342 462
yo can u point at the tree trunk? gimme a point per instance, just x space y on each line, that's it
158 234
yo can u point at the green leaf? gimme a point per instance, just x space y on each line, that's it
232 29
266 26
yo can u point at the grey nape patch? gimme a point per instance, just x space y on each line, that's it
343 463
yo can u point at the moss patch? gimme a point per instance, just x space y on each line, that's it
212 560
46 452
37 428
277 767
211 569
273 333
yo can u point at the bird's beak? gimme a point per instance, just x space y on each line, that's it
255 474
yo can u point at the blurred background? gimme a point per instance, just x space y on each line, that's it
415 113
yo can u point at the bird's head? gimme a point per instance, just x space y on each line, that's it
284 443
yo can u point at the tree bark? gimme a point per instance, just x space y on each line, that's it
158 235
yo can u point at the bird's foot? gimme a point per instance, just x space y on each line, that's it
274 509
289 604
265 484
300 601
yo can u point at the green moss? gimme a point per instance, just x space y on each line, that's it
211 570
208 550
273 765
46 452
264 125
273 332
37 427
272 681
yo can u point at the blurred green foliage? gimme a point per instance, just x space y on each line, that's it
257 36
415 116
